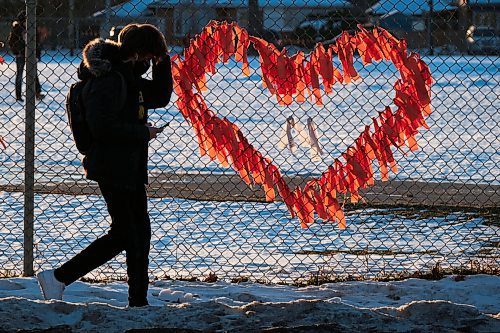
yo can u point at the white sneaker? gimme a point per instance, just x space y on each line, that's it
50 286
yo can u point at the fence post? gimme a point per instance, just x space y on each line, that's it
106 27
29 161
71 27
255 21
429 27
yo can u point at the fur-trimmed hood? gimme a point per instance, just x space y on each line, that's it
100 55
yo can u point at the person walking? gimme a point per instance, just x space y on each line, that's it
17 44
117 158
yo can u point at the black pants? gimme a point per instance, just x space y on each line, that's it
130 231
20 62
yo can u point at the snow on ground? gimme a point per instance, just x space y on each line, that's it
452 304
193 238
461 145
261 240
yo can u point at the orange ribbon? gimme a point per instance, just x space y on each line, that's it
288 78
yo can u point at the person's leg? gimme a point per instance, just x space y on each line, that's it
38 87
19 76
137 250
105 248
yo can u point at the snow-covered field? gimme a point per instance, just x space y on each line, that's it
452 304
462 144
194 238
255 239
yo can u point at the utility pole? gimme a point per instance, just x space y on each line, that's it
193 19
429 27
463 24
107 20
71 27
254 18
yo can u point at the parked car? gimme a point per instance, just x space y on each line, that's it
312 30
316 24
315 30
482 40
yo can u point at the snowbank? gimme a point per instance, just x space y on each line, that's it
447 305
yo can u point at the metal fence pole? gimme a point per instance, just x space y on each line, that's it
107 20
71 27
429 27
29 166
254 18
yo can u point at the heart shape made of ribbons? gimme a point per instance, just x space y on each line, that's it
297 78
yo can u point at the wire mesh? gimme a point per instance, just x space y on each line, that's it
441 207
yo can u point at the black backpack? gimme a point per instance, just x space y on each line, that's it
76 112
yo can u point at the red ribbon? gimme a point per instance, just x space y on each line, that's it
290 78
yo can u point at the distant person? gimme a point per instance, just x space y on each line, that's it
117 158
17 44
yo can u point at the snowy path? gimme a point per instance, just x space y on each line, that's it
220 187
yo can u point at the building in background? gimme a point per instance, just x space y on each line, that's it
188 17
484 13
482 19
184 18
287 15
411 19
132 11
456 24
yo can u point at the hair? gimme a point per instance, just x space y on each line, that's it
141 39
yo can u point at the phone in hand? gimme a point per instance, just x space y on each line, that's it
164 125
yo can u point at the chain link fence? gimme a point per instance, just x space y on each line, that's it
439 208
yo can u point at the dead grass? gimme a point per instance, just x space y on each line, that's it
364 252
9 273
323 276
434 273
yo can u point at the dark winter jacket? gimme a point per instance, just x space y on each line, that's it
16 38
119 151
17 41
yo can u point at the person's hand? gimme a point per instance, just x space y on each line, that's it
153 131
158 59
